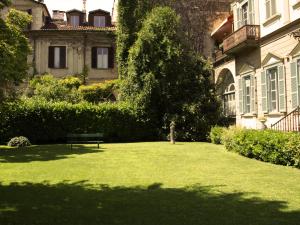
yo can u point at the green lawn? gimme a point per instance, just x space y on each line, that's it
144 184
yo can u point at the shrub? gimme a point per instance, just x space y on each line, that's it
19 142
47 122
268 145
215 134
52 89
100 92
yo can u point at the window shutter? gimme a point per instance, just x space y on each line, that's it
239 18
51 57
63 57
264 92
241 96
111 57
253 94
251 12
295 83
94 57
281 87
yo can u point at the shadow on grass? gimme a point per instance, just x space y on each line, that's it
80 204
44 153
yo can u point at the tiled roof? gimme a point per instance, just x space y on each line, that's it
65 27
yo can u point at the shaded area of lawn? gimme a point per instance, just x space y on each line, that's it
81 204
43 153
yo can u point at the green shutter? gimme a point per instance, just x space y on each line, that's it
294 83
264 92
241 96
281 87
253 94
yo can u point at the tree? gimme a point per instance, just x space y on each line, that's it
167 82
14 46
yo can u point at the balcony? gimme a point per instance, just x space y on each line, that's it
246 37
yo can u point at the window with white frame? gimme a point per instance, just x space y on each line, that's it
270 8
99 21
229 100
272 76
245 14
247 94
74 20
273 89
100 58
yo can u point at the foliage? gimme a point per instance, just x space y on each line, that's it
84 74
4 3
100 92
44 121
268 145
14 47
19 142
130 16
52 89
168 83
215 134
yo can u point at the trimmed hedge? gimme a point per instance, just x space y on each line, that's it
46 122
268 145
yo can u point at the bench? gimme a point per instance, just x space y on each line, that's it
84 138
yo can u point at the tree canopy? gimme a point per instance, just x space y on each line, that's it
167 82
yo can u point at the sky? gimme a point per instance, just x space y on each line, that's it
77 4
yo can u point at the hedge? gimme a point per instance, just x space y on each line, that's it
46 122
268 145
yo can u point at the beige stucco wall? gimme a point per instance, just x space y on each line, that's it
74 43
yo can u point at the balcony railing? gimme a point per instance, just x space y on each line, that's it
247 36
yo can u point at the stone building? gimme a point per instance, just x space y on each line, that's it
65 47
257 63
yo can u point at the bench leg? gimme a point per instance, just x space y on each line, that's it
71 146
98 145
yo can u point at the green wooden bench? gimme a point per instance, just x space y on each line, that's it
84 138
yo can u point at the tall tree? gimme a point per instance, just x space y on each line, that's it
166 81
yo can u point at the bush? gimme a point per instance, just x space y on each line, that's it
215 134
19 142
47 122
100 92
52 89
268 145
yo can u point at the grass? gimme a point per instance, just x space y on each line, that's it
144 184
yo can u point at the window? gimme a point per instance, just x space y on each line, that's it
229 100
100 58
273 89
245 14
272 76
270 8
57 57
74 21
99 21
247 95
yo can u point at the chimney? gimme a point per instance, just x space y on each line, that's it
58 15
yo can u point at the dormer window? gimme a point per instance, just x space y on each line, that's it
74 20
99 21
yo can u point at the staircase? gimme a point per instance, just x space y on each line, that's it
290 122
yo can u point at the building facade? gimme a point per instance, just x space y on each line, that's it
71 42
257 62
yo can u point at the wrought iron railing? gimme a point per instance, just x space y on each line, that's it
290 122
